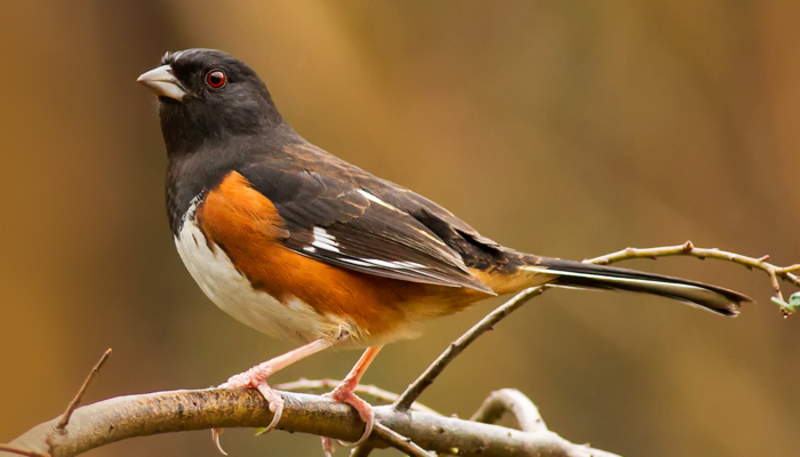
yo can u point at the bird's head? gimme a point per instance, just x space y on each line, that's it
208 95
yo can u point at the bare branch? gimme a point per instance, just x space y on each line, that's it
77 400
399 441
514 402
141 415
688 249
426 379
304 385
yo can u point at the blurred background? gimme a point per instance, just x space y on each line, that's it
569 129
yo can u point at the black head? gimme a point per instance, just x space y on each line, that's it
206 95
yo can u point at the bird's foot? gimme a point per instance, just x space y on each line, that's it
344 393
254 378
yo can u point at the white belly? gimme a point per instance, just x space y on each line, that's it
231 292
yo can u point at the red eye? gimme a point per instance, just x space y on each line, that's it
215 79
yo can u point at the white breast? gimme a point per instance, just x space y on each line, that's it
231 292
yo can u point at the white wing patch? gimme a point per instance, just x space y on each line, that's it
377 200
359 263
397 265
324 240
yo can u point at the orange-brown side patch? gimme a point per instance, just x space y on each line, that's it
246 225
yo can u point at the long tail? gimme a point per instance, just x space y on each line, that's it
584 275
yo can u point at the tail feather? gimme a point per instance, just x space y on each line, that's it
584 275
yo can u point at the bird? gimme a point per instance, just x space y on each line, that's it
303 246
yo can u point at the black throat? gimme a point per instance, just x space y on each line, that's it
192 172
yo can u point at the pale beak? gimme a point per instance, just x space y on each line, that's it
163 83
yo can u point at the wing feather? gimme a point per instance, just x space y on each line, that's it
334 220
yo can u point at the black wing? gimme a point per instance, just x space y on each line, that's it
331 217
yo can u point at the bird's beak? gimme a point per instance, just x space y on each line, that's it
163 83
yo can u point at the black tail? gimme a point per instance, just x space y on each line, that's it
585 275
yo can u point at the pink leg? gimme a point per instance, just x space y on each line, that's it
344 393
256 378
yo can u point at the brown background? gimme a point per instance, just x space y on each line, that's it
561 128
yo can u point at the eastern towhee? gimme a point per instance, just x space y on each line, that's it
301 245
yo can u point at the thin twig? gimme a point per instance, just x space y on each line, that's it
514 402
688 249
426 379
399 441
788 269
373 391
77 400
19 451
362 450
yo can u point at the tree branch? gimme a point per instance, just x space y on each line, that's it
399 441
688 249
514 402
304 385
119 418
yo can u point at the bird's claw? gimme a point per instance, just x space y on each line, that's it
273 398
215 432
275 405
327 446
364 409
